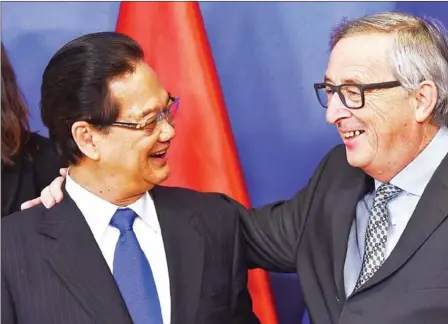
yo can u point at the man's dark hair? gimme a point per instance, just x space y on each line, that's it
75 85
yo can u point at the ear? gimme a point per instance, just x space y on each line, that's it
426 98
87 139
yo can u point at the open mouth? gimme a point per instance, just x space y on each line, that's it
159 155
352 134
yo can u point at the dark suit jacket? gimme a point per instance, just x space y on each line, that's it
34 169
53 271
309 234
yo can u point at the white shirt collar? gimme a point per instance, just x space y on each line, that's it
98 212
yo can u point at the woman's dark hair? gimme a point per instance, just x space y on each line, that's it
15 127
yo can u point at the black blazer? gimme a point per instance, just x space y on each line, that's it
34 169
309 234
53 271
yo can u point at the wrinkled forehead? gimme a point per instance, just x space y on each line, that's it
139 93
363 58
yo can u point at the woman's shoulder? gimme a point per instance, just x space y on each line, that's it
37 144
42 152
44 158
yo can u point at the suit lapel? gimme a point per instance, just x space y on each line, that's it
79 263
430 212
184 249
343 208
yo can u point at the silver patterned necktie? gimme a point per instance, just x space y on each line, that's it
376 234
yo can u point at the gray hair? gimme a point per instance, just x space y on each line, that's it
420 51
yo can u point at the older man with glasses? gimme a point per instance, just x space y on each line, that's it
368 235
119 248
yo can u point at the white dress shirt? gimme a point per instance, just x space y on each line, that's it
98 214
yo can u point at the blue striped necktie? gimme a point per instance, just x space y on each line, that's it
133 274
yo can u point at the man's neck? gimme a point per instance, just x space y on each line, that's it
402 158
111 188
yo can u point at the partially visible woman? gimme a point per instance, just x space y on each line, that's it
29 161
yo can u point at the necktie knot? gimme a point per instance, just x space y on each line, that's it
123 219
385 192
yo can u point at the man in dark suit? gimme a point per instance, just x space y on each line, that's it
368 235
119 249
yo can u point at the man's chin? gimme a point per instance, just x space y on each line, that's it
162 174
355 159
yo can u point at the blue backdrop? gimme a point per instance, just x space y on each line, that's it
267 55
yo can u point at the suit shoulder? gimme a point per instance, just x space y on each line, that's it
215 214
193 199
19 241
21 222
337 153
217 210
336 159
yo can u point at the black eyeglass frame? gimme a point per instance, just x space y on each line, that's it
362 88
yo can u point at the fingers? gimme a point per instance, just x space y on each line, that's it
50 195
63 172
30 203
56 189
46 197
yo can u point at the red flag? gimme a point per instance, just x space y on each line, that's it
203 154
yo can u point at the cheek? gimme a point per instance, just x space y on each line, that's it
122 154
143 148
376 112
386 120
129 152
374 120
121 150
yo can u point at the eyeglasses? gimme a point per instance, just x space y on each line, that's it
168 113
351 95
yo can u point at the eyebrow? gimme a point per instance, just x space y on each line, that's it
148 111
344 81
327 79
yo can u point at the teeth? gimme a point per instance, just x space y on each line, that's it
159 154
351 134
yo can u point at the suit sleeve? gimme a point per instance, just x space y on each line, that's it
273 232
241 302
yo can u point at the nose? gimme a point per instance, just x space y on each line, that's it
167 131
336 110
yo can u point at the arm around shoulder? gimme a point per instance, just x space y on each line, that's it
273 232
